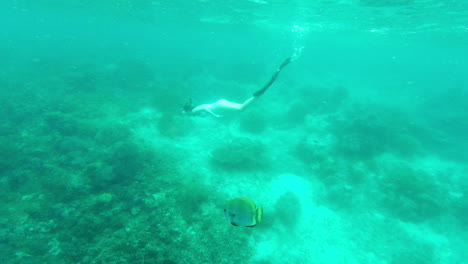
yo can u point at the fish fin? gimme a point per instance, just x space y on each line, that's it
259 215
251 226
233 224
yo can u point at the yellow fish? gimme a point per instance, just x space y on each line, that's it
242 211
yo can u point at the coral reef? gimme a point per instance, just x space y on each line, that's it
174 126
411 194
109 134
240 154
97 196
297 112
366 132
313 149
362 136
419 253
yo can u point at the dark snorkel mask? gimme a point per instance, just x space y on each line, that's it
188 107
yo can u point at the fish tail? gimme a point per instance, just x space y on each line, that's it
259 215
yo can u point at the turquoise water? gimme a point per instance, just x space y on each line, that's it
357 153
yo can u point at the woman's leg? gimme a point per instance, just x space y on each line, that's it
248 102
235 106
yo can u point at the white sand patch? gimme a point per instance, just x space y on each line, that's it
287 182
318 235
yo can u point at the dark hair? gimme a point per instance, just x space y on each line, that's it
188 107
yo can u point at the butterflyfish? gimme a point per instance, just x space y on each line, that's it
242 211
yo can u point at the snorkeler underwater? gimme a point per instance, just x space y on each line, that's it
225 106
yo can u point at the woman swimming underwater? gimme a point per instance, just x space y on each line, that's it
223 106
